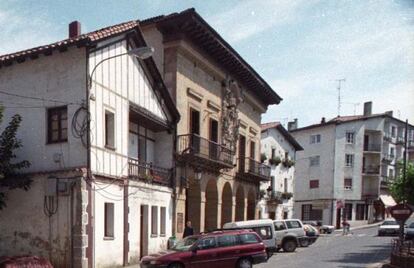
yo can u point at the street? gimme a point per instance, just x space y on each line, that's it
361 249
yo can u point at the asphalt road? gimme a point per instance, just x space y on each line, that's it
361 249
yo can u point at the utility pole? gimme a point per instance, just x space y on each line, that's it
339 94
404 182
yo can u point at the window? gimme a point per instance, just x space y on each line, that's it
273 153
306 212
360 212
314 161
264 232
293 224
163 220
279 225
57 124
285 185
315 138
248 239
393 131
109 129
194 122
350 137
313 184
348 212
349 160
348 183
207 243
392 152
109 220
391 173
226 241
154 220
252 149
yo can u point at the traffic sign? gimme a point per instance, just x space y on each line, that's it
401 212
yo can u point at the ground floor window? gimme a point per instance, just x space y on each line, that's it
361 212
348 212
311 214
163 220
109 220
154 220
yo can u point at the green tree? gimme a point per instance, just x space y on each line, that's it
402 190
10 178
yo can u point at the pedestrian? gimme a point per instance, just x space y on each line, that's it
345 226
188 230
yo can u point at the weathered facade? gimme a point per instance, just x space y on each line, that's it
99 129
220 99
279 149
346 166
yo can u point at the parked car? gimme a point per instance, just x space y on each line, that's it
311 232
409 231
233 248
389 227
25 261
290 234
326 229
264 228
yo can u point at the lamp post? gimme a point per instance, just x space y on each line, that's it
139 52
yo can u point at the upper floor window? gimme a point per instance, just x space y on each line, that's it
348 183
109 129
313 184
315 138
252 149
314 161
393 131
273 153
57 124
349 160
350 137
392 152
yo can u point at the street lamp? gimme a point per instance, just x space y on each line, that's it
139 52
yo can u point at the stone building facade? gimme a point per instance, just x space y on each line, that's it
220 99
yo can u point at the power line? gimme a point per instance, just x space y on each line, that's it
39 98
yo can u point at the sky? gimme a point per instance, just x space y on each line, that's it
300 47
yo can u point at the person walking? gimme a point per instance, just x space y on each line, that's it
346 227
188 230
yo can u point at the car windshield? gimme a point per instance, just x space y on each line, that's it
411 225
185 244
390 223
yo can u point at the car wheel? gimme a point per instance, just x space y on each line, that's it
244 263
289 246
305 243
175 265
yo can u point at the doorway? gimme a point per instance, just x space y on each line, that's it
214 149
242 153
195 130
143 244
338 218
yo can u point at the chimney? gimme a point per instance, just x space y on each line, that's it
368 108
74 29
323 121
389 113
293 124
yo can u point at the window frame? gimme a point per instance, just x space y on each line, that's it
313 162
347 187
349 163
350 137
59 110
314 184
106 137
315 138
154 221
163 221
109 229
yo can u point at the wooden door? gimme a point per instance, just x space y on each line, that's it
144 231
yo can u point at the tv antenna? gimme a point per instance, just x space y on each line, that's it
356 104
339 94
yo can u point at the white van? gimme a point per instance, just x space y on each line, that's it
264 228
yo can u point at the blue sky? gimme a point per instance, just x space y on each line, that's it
299 46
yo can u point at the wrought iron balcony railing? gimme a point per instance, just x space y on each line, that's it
371 169
193 144
255 168
372 147
143 171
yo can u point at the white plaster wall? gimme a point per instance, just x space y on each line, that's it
59 77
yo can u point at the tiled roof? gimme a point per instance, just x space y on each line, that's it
266 126
284 132
63 44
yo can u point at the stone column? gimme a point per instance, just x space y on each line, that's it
79 223
233 208
202 211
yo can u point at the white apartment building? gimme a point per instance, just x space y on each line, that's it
98 127
346 165
279 148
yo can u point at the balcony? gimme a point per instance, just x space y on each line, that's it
274 199
388 158
147 172
400 140
410 144
372 147
385 182
251 170
387 136
203 153
371 170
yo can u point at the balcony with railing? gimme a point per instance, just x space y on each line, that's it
410 144
372 147
400 140
387 136
147 172
195 150
373 170
250 169
388 158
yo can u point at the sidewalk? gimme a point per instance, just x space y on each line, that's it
360 227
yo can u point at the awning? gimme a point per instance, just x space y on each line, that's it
387 200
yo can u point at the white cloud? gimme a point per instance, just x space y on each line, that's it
22 30
249 18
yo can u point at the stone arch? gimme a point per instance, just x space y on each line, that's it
226 204
211 206
194 205
251 205
240 203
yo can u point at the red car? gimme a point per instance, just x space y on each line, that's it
235 248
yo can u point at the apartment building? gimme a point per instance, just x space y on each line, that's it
278 150
99 131
346 166
221 99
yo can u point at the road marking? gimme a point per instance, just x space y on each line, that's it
361 235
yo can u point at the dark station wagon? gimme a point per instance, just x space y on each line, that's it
235 248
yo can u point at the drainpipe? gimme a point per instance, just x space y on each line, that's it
174 183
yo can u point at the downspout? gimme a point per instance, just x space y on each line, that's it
333 185
174 184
